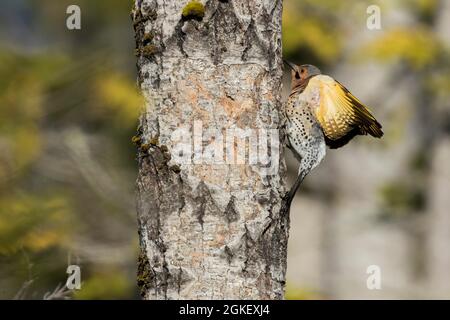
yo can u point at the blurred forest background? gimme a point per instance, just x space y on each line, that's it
69 107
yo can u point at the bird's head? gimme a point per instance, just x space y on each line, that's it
299 74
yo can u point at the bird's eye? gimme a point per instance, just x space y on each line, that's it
297 76
303 71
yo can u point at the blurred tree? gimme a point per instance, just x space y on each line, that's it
66 160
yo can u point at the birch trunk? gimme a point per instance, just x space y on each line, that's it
210 228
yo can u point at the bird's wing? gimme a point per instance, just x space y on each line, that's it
340 113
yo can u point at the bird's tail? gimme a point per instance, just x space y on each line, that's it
372 127
367 122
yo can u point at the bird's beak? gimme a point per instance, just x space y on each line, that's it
290 64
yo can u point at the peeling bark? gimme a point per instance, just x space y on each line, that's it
209 231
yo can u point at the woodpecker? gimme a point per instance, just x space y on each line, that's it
321 112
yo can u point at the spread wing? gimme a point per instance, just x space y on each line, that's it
340 114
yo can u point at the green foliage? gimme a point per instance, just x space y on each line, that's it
296 293
113 284
418 49
51 195
401 198
438 83
117 99
425 9
307 35
22 91
420 161
33 222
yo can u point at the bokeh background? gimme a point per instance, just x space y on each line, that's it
69 107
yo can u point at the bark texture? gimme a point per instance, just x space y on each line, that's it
209 231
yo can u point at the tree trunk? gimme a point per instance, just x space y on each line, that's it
211 171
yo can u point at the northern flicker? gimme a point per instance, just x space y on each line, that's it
321 112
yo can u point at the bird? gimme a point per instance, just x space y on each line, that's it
321 112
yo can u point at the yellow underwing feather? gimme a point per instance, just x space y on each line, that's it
340 113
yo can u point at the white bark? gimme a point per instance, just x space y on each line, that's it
209 231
